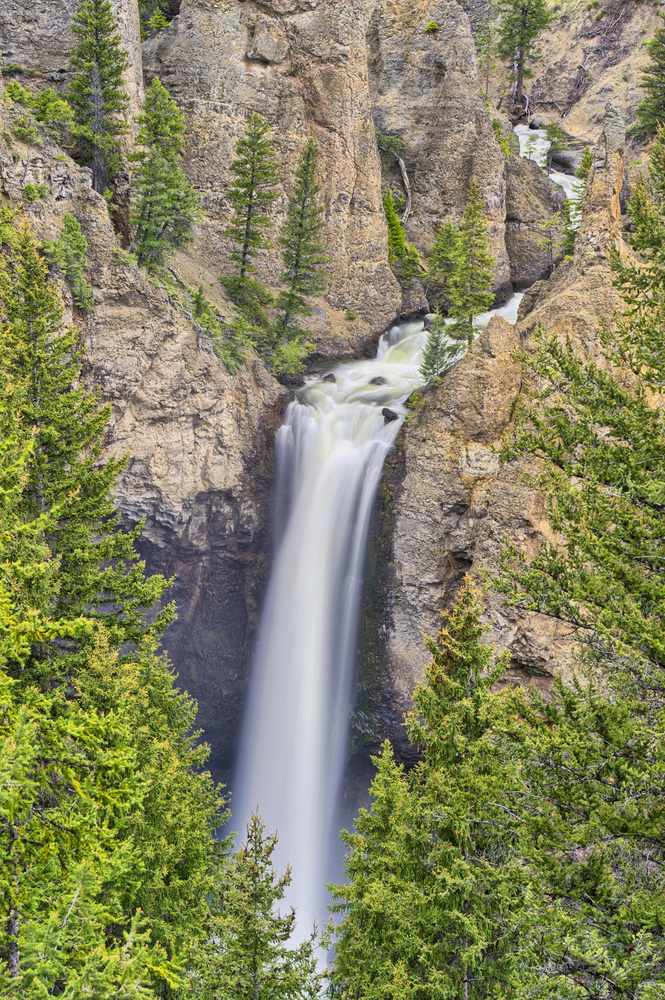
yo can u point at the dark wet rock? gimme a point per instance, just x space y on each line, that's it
378 380
330 377
389 415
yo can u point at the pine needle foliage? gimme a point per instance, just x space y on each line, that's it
433 879
473 274
443 260
252 194
98 573
521 23
303 253
97 93
603 443
651 111
403 257
70 252
249 953
167 206
439 353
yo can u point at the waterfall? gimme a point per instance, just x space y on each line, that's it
330 452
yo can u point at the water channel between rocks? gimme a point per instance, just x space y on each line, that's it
330 452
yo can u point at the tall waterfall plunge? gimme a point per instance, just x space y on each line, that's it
330 452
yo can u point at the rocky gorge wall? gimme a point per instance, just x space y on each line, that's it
200 440
453 504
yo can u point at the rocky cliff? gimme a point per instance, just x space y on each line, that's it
452 504
199 441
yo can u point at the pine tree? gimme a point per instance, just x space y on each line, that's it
550 241
98 573
591 821
97 93
396 238
521 23
443 260
70 253
651 111
166 211
248 954
434 884
572 207
558 141
473 274
252 194
439 353
303 253
167 205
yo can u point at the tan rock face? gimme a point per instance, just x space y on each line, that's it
451 504
531 200
38 36
303 67
424 88
199 441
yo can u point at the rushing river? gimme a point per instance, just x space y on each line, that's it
534 145
330 452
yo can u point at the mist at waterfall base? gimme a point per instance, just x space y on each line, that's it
329 457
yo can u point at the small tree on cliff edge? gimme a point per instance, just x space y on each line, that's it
651 112
521 23
302 251
97 93
471 280
167 205
252 193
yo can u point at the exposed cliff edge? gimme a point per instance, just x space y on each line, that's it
200 442
454 505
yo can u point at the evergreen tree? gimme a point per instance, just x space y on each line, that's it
97 93
248 955
550 242
396 237
167 205
592 825
572 207
651 111
521 23
252 194
558 141
70 252
434 885
403 257
473 274
302 250
443 260
603 444
486 47
439 353
98 574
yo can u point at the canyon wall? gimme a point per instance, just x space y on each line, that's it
450 504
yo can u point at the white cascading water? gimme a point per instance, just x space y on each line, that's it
330 452
539 143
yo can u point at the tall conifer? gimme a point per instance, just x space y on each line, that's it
521 23
167 205
252 194
443 260
433 868
651 111
98 572
249 952
473 273
97 92
303 253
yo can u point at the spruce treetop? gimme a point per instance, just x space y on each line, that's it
97 94
162 124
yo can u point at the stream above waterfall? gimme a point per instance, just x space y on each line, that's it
330 453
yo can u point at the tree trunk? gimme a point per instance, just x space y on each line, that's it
520 77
